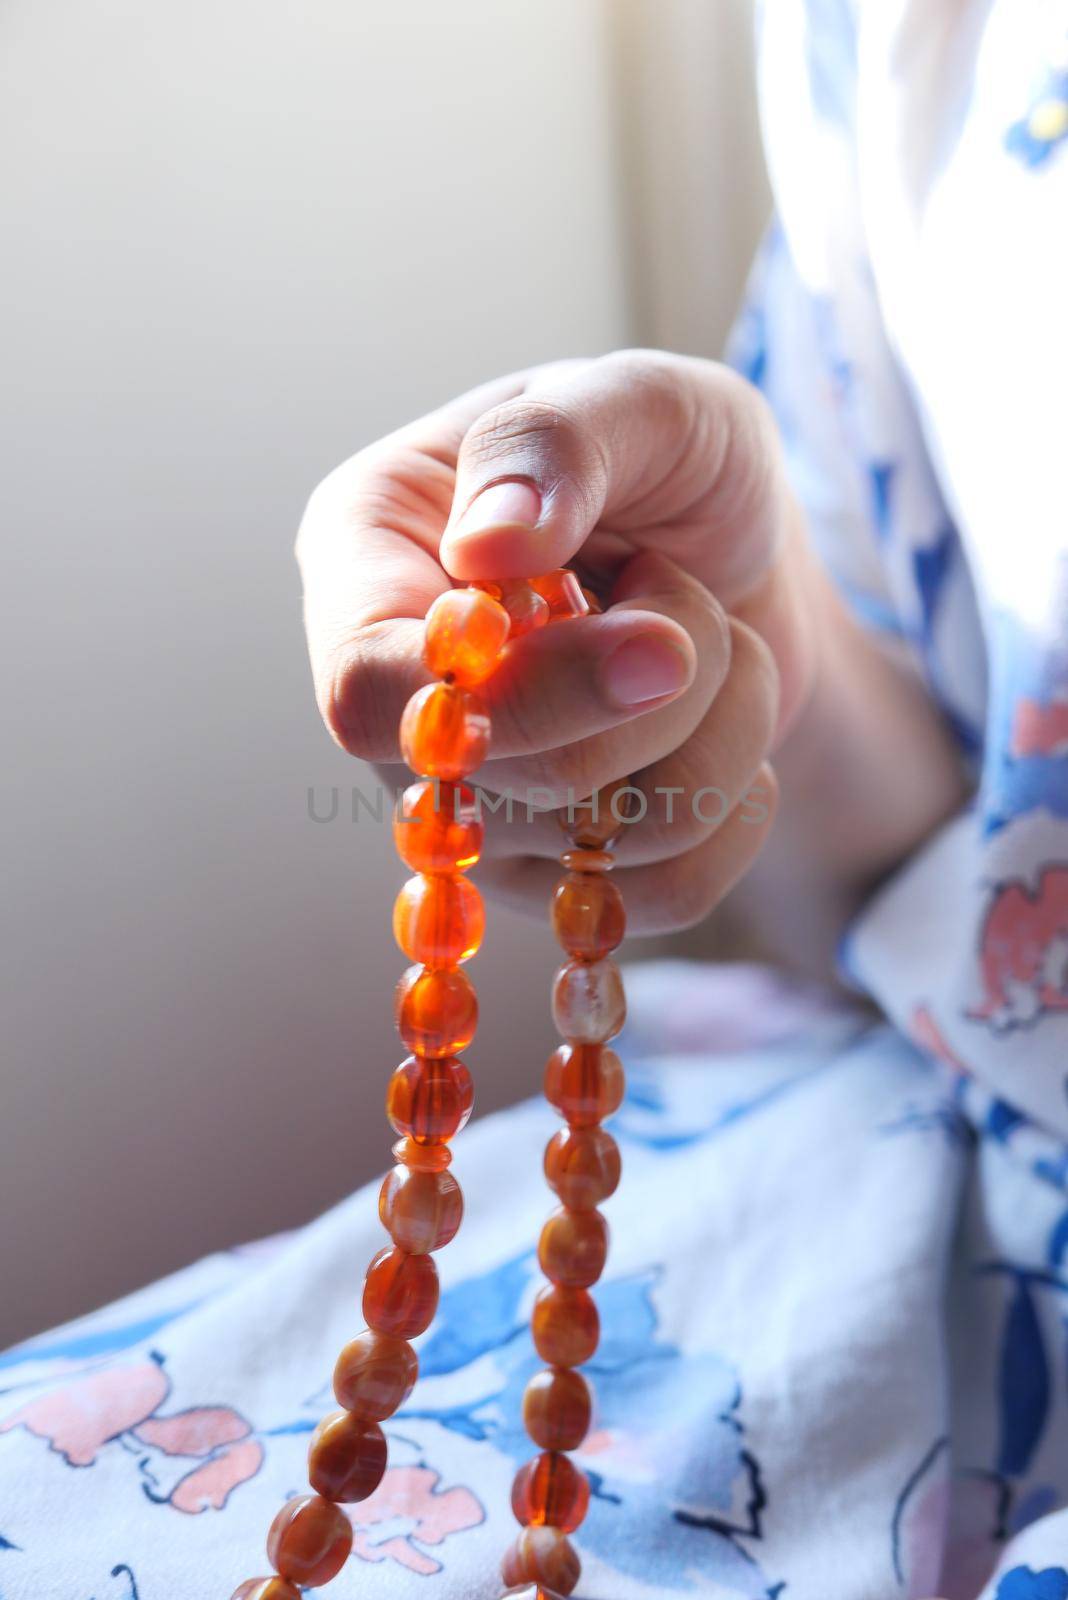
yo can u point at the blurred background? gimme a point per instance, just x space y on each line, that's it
240 239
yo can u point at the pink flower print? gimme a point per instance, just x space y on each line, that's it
216 1432
84 1415
409 1511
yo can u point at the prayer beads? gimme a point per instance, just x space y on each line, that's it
438 923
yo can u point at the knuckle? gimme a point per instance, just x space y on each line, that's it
689 892
757 674
353 692
528 425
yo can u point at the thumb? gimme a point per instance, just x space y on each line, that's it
676 453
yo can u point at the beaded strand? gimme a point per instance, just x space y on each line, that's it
438 922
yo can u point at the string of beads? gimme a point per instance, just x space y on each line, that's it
438 922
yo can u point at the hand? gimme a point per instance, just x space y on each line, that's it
659 477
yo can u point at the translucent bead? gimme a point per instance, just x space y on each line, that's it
421 1211
557 1406
466 630
589 1005
596 822
437 826
550 1491
573 1247
588 860
437 1011
526 608
541 1556
444 732
582 1166
400 1293
438 920
375 1374
565 1326
422 1157
587 915
585 1083
309 1540
563 592
531 1591
429 1100
266 1589
347 1457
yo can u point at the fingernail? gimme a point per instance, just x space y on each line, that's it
502 503
645 668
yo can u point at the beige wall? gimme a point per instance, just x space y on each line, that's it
240 239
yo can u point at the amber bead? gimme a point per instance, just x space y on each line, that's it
550 1491
525 607
589 1005
437 826
531 1591
587 915
585 1083
438 920
274 1588
583 1166
422 1157
565 1326
444 732
347 1457
541 1556
563 593
375 1374
309 1540
466 630
588 860
400 1293
429 1100
557 1406
573 1247
596 822
421 1211
437 1011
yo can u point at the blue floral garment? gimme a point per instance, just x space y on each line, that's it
834 1362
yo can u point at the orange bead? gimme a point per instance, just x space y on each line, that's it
587 915
422 1157
588 860
541 1556
437 1011
594 823
565 1326
557 1407
309 1540
400 1293
421 1211
531 1591
563 592
573 1247
375 1374
444 732
585 1083
551 1491
583 1166
266 1589
429 1100
466 630
589 1005
347 1457
526 608
437 826
438 920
